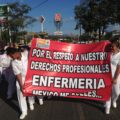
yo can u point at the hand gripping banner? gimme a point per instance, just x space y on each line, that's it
69 70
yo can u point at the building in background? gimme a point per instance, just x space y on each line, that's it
58 24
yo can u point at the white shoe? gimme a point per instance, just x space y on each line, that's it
107 111
31 107
23 115
41 101
114 104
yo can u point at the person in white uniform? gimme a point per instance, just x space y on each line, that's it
25 53
7 72
115 69
19 65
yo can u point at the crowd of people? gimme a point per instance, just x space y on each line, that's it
13 68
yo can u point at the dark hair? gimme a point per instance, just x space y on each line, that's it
116 42
2 51
24 47
11 50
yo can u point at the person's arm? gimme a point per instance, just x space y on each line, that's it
117 73
17 73
19 79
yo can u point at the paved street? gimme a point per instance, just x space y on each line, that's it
58 109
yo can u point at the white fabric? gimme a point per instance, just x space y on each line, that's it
6 47
115 61
0 74
22 101
5 61
0 70
31 100
20 67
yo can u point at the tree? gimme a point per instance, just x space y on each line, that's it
18 19
89 15
96 15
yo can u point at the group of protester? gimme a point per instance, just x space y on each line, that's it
13 66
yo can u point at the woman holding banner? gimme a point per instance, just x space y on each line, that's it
115 69
19 65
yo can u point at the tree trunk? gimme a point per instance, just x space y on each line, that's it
99 34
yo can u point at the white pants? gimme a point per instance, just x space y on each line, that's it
31 100
1 70
22 99
115 94
0 74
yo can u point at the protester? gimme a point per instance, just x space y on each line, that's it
7 72
19 64
24 50
115 68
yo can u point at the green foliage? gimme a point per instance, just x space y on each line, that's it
85 37
96 15
108 36
43 34
17 20
5 36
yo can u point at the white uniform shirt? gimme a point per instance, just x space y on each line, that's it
115 60
20 66
5 61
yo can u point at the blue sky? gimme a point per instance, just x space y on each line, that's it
48 10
